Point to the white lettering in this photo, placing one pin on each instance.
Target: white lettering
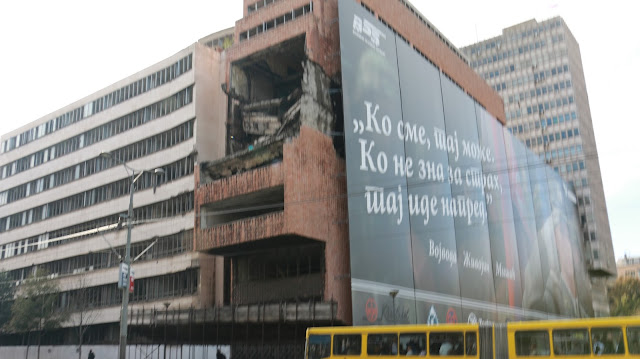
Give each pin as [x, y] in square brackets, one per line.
[440, 253]
[477, 264]
[378, 203]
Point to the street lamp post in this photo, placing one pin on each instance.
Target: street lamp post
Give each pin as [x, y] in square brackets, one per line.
[393, 294]
[127, 256]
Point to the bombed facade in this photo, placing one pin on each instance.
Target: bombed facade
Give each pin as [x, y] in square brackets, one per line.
[251, 223]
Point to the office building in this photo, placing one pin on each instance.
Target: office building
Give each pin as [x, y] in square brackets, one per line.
[628, 267]
[63, 205]
[537, 69]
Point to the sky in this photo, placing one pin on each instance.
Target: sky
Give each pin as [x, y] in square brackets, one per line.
[57, 52]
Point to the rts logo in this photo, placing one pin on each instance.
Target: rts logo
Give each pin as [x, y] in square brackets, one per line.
[368, 33]
[371, 310]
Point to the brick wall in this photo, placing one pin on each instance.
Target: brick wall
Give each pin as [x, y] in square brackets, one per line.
[316, 207]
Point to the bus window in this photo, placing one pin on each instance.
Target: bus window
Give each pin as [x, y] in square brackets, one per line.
[607, 341]
[382, 344]
[470, 344]
[413, 344]
[318, 346]
[446, 343]
[633, 339]
[532, 343]
[571, 342]
[347, 344]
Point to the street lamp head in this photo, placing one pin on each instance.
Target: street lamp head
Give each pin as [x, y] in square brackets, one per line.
[105, 154]
[393, 293]
[158, 171]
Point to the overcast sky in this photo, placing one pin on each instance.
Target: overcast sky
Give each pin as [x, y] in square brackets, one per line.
[56, 52]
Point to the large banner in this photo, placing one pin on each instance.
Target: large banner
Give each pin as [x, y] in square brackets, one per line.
[451, 219]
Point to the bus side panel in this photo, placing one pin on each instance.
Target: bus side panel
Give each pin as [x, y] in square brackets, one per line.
[502, 341]
[486, 342]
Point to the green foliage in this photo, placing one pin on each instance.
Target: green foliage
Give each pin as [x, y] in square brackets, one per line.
[228, 42]
[624, 297]
[35, 307]
[6, 299]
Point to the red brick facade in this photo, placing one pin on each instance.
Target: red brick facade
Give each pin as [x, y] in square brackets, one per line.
[312, 174]
[315, 206]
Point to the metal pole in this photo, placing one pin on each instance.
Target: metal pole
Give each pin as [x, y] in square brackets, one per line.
[393, 300]
[125, 290]
[393, 294]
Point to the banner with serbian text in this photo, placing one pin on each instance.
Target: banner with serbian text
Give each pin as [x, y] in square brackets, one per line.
[436, 234]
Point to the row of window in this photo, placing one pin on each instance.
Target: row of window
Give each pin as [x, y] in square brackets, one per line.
[548, 105]
[222, 42]
[566, 117]
[116, 97]
[166, 246]
[548, 138]
[86, 168]
[286, 265]
[175, 206]
[583, 182]
[539, 91]
[520, 50]
[100, 133]
[99, 195]
[574, 166]
[406, 344]
[259, 5]
[145, 289]
[536, 78]
[601, 341]
[544, 123]
[564, 152]
[506, 54]
[278, 21]
[535, 32]
[95, 196]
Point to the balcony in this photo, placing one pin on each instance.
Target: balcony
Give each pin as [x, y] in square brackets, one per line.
[241, 231]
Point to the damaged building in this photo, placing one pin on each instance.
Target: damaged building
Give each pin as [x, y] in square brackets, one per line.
[263, 223]
[274, 209]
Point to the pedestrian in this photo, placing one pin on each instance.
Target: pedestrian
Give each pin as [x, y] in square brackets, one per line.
[91, 355]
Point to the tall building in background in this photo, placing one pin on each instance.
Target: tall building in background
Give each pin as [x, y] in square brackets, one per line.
[537, 69]
[628, 267]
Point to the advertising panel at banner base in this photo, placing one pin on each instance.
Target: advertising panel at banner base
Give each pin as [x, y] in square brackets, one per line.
[446, 207]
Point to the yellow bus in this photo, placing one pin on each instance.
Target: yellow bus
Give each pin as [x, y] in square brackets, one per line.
[615, 337]
[392, 341]
[565, 339]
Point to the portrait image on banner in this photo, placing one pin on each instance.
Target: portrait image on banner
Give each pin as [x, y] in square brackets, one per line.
[500, 218]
